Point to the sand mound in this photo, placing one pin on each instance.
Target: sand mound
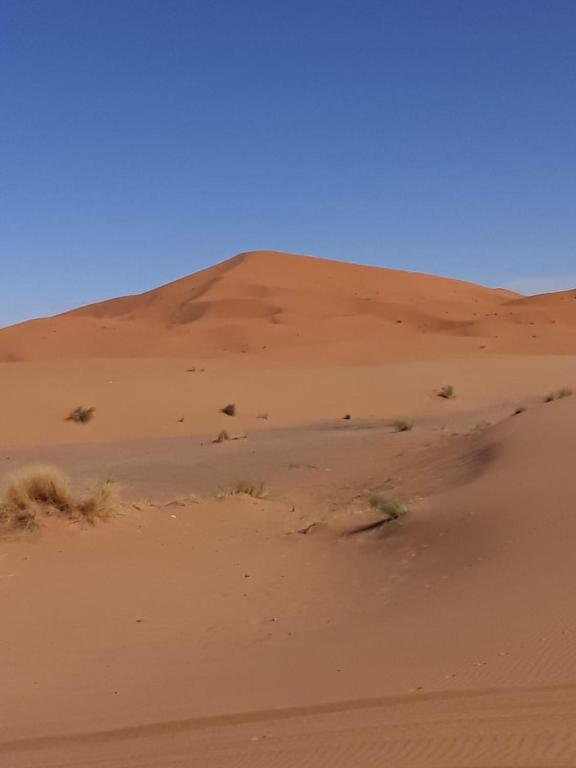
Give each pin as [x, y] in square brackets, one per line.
[272, 305]
[279, 306]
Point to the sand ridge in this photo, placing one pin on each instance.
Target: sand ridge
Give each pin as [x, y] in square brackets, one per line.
[275, 306]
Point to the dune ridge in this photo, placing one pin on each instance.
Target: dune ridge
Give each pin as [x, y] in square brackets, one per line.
[276, 306]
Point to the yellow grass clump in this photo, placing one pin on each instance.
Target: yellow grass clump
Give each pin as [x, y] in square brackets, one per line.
[37, 491]
[244, 488]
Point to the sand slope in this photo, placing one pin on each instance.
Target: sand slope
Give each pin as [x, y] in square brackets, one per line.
[276, 306]
[444, 640]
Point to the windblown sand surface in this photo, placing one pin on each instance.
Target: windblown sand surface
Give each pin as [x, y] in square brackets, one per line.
[198, 628]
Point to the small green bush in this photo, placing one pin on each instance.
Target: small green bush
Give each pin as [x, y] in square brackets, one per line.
[447, 392]
[387, 508]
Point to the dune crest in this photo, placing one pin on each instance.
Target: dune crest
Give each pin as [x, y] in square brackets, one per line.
[280, 306]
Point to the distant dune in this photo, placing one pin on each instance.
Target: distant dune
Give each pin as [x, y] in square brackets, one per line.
[279, 306]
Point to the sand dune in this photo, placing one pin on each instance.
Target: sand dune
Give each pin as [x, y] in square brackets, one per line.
[559, 299]
[469, 594]
[200, 628]
[278, 306]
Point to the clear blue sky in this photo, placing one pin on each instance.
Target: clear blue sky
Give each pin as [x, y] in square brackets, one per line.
[141, 140]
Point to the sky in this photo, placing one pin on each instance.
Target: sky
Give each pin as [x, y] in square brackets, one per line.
[142, 140]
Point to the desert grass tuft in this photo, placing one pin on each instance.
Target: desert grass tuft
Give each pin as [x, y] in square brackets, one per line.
[99, 505]
[43, 485]
[37, 491]
[15, 519]
[447, 392]
[222, 436]
[403, 425]
[388, 508]
[559, 394]
[81, 415]
[244, 488]
[229, 410]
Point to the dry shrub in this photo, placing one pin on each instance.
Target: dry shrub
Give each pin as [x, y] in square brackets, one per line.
[403, 425]
[99, 504]
[81, 415]
[388, 510]
[229, 410]
[244, 488]
[37, 491]
[559, 394]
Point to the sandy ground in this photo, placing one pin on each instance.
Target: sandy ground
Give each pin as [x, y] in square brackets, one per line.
[197, 628]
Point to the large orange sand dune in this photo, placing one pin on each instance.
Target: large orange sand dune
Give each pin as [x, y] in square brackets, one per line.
[277, 306]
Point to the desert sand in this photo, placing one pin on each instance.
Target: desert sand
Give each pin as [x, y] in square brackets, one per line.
[199, 627]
